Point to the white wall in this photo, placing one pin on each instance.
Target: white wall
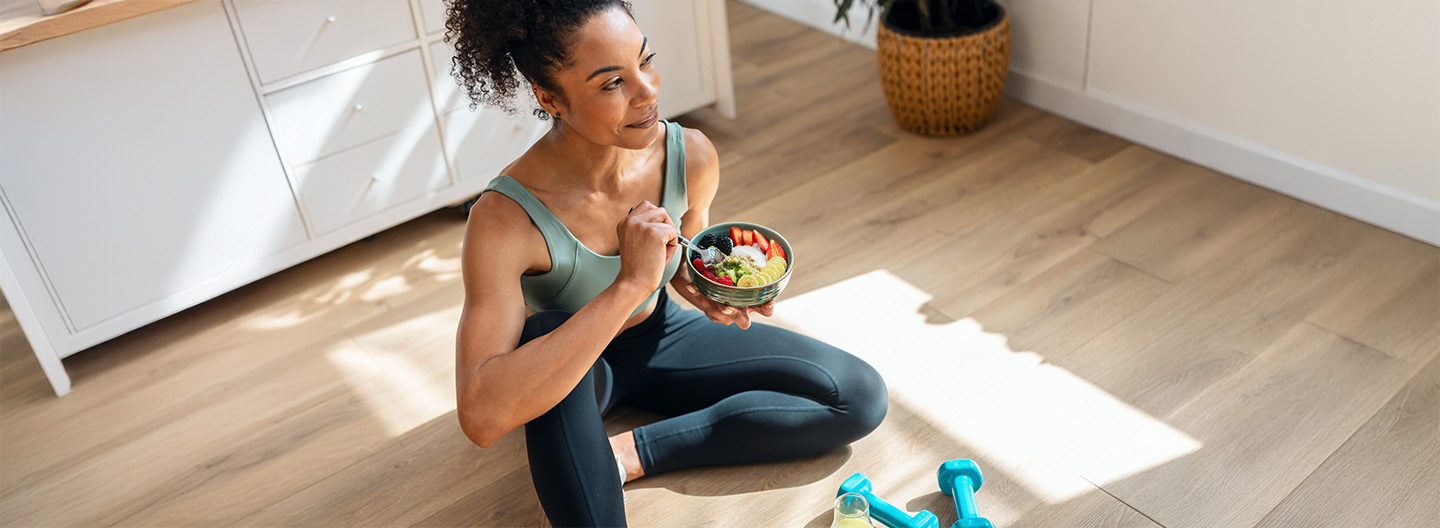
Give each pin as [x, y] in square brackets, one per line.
[1351, 85]
[1336, 102]
[1052, 41]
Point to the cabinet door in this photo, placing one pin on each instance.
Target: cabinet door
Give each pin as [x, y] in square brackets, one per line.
[139, 165]
[369, 179]
[483, 142]
[287, 37]
[675, 34]
[480, 142]
[434, 11]
[345, 109]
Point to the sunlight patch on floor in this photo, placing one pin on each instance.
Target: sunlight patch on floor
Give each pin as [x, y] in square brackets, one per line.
[436, 264]
[385, 288]
[338, 292]
[1039, 424]
[404, 375]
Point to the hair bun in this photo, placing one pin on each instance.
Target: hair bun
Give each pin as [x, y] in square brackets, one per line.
[501, 45]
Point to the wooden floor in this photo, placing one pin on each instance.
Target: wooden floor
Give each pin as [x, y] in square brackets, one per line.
[1117, 338]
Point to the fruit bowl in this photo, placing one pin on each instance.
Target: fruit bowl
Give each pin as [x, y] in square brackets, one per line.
[737, 296]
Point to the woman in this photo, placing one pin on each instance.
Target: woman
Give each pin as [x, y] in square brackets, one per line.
[564, 267]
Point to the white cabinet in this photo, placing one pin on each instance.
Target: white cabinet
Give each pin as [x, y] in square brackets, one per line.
[139, 176]
[344, 109]
[482, 142]
[366, 180]
[433, 13]
[286, 37]
[163, 160]
[449, 96]
[672, 27]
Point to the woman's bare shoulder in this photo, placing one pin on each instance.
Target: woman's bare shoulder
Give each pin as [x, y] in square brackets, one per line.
[500, 234]
[702, 168]
[699, 151]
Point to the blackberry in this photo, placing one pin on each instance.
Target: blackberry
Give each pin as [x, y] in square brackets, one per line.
[722, 242]
[706, 241]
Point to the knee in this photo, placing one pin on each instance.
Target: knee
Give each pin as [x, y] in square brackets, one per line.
[542, 323]
[865, 399]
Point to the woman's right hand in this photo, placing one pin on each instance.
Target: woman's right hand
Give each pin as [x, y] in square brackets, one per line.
[648, 239]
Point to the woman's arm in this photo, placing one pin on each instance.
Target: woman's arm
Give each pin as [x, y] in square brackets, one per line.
[500, 387]
[702, 180]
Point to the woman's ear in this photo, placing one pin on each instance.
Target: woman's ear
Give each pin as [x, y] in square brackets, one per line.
[548, 102]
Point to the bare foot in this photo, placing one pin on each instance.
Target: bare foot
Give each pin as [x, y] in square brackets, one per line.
[623, 444]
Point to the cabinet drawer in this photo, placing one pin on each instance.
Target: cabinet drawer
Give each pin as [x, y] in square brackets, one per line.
[449, 96]
[286, 37]
[338, 111]
[486, 140]
[434, 11]
[365, 180]
[158, 186]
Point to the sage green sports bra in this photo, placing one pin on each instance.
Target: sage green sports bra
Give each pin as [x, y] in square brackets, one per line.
[578, 274]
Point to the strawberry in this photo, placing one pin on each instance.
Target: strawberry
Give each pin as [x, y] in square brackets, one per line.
[749, 238]
[736, 237]
[775, 251]
[760, 241]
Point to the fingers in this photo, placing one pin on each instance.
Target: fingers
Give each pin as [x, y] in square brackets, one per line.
[714, 311]
[650, 212]
[643, 206]
[654, 219]
[723, 314]
[670, 251]
[717, 313]
[741, 318]
[719, 319]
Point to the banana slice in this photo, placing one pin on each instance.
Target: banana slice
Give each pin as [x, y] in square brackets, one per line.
[748, 281]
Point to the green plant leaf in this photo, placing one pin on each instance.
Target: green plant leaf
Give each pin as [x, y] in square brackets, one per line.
[842, 11]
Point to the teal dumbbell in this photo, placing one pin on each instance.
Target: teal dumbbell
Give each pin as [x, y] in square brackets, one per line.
[884, 511]
[960, 479]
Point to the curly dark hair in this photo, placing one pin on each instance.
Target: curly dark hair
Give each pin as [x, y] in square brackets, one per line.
[497, 41]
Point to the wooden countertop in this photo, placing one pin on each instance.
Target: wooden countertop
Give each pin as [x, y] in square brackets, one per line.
[22, 23]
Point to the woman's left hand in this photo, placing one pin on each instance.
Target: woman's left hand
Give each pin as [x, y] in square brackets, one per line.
[717, 312]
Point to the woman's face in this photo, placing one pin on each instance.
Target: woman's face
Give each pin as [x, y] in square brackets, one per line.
[611, 89]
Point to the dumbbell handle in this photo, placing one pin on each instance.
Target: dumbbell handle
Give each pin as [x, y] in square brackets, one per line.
[964, 497]
[885, 512]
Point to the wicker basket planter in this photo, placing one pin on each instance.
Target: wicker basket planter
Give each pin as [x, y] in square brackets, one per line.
[944, 85]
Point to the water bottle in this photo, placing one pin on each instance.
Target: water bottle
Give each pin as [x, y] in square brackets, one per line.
[852, 511]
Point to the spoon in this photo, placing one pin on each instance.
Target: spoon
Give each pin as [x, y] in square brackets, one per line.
[709, 256]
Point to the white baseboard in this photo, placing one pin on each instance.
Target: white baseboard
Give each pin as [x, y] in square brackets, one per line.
[1312, 182]
[1281, 172]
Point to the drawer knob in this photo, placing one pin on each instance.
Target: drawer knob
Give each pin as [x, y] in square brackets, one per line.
[358, 107]
[375, 178]
[330, 20]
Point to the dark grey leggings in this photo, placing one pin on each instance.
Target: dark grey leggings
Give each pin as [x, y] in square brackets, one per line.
[734, 396]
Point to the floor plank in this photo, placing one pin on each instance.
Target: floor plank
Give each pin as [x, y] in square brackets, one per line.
[1384, 475]
[1039, 295]
[1095, 509]
[1070, 304]
[1263, 430]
